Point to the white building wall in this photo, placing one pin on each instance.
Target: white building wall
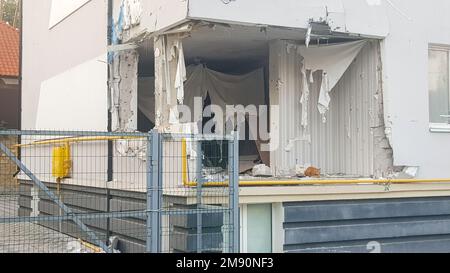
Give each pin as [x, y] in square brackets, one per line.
[156, 15]
[405, 66]
[348, 16]
[65, 71]
[64, 83]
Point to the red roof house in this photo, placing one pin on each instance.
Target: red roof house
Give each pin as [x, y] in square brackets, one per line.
[9, 50]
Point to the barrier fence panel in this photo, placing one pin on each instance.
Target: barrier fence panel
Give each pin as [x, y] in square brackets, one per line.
[199, 192]
[84, 192]
[72, 192]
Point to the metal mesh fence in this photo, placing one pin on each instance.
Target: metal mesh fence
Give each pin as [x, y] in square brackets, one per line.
[85, 192]
[198, 194]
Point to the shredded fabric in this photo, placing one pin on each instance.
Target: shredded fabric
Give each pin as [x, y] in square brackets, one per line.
[324, 97]
[304, 100]
[180, 77]
[132, 12]
[333, 61]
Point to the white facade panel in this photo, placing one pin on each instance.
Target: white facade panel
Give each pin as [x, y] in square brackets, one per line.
[61, 9]
[414, 25]
[73, 99]
[350, 16]
[157, 15]
[53, 55]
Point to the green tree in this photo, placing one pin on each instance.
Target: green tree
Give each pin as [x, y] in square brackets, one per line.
[10, 12]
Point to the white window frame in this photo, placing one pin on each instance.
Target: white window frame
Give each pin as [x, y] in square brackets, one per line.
[440, 127]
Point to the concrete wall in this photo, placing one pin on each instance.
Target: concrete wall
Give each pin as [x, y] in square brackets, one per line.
[390, 225]
[64, 68]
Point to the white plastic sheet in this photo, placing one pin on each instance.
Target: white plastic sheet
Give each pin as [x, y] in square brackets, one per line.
[180, 77]
[333, 61]
[305, 96]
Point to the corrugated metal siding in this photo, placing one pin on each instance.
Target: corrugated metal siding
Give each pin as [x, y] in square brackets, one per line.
[396, 225]
[343, 145]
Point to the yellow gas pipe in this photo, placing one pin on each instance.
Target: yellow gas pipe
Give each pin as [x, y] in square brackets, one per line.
[187, 183]
[73, 140]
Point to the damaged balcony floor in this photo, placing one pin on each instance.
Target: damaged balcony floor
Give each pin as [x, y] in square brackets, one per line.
[29, 237]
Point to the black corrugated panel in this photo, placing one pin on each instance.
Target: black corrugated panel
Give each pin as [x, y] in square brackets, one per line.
[387, 225]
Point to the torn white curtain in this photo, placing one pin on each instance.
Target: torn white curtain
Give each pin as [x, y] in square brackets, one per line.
[305, 96]
[333, 61]
[180, 77]
[223, 89]
[324, 96]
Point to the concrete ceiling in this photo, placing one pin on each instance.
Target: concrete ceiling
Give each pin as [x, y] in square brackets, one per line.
[214, 43]
[226, 43]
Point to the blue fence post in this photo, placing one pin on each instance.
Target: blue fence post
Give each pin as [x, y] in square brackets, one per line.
[233, 148]
[199, 167]
[153, 198]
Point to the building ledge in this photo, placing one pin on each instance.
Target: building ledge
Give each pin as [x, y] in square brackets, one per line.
[280, 194]
[249, 195]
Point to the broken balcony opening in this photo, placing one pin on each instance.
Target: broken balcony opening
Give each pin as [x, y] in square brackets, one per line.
[213, 77]
[324, 101]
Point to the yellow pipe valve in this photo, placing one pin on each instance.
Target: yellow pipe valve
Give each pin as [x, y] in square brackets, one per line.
[61, 162]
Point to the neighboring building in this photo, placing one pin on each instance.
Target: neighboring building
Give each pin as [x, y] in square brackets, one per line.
[356, 88]
[9, 77]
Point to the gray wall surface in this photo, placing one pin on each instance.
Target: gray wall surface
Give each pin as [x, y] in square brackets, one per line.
[390, 225]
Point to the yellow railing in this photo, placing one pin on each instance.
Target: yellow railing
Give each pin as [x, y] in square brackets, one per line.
[61, 162]
[73, 140]
[275, 182]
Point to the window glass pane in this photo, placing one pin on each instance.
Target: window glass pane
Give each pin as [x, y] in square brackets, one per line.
[259, 228]
[439, 85]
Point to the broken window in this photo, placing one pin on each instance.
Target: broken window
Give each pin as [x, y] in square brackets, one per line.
[439, 86]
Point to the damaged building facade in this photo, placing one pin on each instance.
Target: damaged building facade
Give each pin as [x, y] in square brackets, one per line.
[341, 89]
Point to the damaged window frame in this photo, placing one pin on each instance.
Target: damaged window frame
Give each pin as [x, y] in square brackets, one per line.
[440, 127]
